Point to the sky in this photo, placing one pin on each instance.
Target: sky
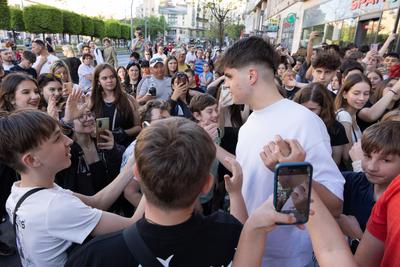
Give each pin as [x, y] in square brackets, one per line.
[117, 9]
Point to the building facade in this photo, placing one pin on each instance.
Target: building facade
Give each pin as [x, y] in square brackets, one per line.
[290, 22]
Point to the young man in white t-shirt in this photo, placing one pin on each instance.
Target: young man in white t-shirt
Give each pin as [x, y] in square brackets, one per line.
[44, 60]
[50, 220]
[249, 67]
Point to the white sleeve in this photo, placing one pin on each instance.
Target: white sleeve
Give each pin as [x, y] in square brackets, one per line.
[325, 170]
[344, 116]
[70, 219]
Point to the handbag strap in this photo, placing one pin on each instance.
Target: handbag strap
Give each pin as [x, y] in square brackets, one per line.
[138, 248]
[25, 196]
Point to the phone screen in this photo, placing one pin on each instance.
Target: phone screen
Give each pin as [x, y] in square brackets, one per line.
[102, 124]
[293, 189]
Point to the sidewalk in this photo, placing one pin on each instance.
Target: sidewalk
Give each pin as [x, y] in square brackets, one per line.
[7, 236]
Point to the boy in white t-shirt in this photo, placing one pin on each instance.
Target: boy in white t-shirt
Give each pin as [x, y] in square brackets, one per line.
[249, 66]
[49, 220]
[44, 60]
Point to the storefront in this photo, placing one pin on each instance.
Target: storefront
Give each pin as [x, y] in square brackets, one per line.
[289, 25]
[343, 21]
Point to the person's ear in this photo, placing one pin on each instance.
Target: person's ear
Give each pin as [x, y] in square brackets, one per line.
[208, 184]
[253, 76]
[29, 160]
[197, 116]
[136, 173]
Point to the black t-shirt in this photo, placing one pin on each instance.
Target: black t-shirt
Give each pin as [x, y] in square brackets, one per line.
[358, 197]
[200, 241]
[31, 71]
[290, 93]
[337, 133]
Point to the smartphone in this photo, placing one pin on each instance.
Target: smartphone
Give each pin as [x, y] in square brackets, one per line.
[102, 124]
[292, 189]
[374, 47]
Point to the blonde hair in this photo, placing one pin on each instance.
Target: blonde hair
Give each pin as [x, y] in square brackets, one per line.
[69, 51]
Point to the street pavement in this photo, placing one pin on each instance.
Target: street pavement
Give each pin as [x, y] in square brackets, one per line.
[123, 58]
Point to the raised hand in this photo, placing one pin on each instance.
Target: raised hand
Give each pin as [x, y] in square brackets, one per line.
[74, 106]
[233, 184]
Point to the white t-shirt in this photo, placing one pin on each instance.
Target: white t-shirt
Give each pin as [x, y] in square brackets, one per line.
[344, 116]
[49, 221]
[163, 87]
[156, 55]
[190, 57]
[286, 245]
[83, 70]
[46, 66]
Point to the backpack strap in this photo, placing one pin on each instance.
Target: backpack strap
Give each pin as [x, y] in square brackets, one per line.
[138, 248]
[25, 196]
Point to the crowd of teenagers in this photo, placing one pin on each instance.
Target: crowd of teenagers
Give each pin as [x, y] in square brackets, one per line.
[183, 173]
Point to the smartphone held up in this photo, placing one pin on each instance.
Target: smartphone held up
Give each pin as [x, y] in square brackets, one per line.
[292, 189]
[102, 124]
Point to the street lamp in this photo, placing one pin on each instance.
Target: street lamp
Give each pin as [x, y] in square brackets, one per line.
[131, 23]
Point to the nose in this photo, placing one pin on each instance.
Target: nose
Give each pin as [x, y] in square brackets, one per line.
[372, 166]
[68, 141]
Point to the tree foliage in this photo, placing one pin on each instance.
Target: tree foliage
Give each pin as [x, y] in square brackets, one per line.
[220, 13]
[99, 28]
[155, 25]
[234, 30]
[4, 15]
[125, 31]
[43, 19]
[17, 19]
[87, 26]
[113, 29]
[72, 22]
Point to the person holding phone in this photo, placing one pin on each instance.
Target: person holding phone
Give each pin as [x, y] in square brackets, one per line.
[51, 95]
[180, 98]
[94, 163]
[108, 100]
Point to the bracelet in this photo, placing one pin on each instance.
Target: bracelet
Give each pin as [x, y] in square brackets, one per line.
[393, 91]
[69, 125]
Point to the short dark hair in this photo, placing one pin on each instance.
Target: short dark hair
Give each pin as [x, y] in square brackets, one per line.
[173, 157]
[392, 54]
[382, 137]
[145, 111]
[349, 65]
[135, 55]
[326, 59]
[22, 131]
[85, 46]
[201, 102]
[87, 55]
[252, 50]
[39, 42]
[28, 55]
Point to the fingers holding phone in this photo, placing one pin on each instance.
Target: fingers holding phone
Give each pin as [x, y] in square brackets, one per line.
[102, 126]
[107, 140]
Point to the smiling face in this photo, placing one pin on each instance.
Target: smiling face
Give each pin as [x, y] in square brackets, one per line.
[358, 95]
[54, 154]
[172, 65]
[52, 89]
[380, 168]
[26, 95]
[85, 123]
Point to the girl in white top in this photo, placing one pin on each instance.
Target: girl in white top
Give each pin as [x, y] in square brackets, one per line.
[352, 97]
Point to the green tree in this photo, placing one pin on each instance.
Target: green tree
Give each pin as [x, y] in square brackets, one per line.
[43, 19]
[113, 29]
[220, 13]
[17, 19]
[87, 26]
[4, 15]
[234, 30]
[125, 31]
[72, 22]
[99, 28]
